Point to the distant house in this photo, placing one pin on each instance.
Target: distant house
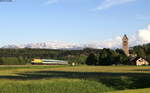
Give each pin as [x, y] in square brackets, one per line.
[138, 61]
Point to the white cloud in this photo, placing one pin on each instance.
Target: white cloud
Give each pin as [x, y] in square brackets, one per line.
[111, 43]
[104, 5]
[110, 3]
[139, 38]
[49, 2]
[144, 35]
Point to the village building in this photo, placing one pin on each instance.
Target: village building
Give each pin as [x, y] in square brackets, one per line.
[134, 59]
[138, 61]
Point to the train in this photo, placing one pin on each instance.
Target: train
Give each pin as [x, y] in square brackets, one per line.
[48, 62]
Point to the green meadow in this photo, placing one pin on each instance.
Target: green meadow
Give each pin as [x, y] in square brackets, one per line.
[78, 79]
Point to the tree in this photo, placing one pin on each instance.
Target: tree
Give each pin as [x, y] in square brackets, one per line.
[1, 61]
[91, 59]
[106, 57]
[140, 51]
[120, 51]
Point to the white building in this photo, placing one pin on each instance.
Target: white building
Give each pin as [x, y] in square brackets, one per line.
[139, 61]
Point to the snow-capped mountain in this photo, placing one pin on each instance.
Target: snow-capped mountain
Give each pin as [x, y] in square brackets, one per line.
[10, 46]
[52, 45]
[114, 43]
[48, 45]
[55, 45]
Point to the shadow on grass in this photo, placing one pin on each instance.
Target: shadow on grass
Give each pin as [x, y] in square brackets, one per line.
[115, 80]
[142, 70]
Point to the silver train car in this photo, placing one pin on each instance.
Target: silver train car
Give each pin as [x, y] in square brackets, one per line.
[48, 62]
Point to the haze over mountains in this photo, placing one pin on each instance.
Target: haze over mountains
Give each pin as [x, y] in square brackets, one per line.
[60, 45]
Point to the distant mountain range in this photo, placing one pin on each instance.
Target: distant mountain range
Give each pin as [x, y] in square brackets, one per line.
[60, 45]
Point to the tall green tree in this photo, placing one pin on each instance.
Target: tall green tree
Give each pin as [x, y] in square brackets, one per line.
[91, 59]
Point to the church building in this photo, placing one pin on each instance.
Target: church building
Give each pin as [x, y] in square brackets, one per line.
[125, 45]
[134, 60]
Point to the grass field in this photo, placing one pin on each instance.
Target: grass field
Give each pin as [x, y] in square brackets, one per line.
[79, 79]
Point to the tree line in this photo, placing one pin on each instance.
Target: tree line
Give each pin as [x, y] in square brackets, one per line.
[108, 57]
[87, 56]
[117, 57]
[13, 56]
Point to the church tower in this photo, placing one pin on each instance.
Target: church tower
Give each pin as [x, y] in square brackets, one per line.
[125, 45]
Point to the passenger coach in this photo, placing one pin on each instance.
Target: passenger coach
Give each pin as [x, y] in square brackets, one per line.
[48, 62]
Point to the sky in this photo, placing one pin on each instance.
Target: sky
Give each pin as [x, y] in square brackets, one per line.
[77, 21]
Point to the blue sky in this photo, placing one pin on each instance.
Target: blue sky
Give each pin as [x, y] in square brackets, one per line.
[79, 21]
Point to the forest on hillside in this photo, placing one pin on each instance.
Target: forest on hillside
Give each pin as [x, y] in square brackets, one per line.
[101, 56]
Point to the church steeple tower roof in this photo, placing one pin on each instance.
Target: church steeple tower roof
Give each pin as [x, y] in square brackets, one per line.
[125, 37]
